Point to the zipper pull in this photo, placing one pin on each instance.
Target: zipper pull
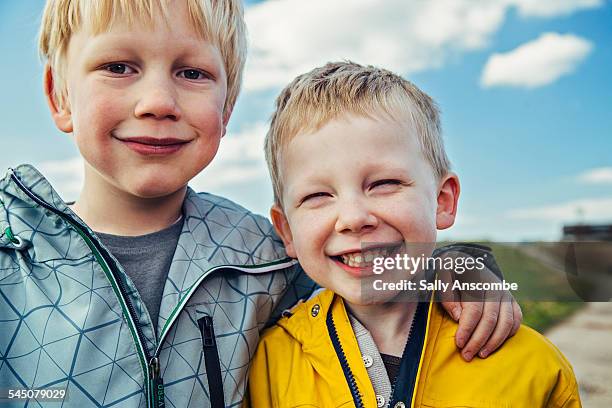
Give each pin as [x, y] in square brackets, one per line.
[208, 331]
[156, 388]
[212, 363]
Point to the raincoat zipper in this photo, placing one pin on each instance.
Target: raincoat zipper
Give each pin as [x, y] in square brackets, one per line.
[413, 353]
[348, 374]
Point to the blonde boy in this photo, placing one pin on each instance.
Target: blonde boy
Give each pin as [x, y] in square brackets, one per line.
[359, 168]
[142, 292]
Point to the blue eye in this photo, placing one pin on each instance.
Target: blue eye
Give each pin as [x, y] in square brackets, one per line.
[192, 74]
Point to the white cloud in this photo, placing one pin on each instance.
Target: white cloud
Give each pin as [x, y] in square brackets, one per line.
[587, 210]
[292, 36]
[553, 8]
[289, 37]
[536, 63]
[66, 176]
[240, 160]
[601, 175]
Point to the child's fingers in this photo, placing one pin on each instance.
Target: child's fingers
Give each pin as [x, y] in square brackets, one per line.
[484, 328]
[470, 316]
[450, 299]
[452, 308]
[502, 330]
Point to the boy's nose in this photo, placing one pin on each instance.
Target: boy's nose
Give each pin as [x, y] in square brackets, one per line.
[355, 217]
[158, 101]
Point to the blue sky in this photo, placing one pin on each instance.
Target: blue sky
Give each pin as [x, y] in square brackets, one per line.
[524, 87]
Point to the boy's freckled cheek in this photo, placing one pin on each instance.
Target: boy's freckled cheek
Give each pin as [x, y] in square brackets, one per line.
[106, 105]
[95, 121]
[311, 232]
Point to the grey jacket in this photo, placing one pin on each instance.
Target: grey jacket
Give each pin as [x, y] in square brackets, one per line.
[70, 318]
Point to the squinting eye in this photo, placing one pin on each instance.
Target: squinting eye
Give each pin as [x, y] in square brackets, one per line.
[391, 182]
[192, 74]
[314, 195]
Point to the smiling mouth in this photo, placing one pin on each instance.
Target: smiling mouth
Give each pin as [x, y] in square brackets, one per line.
[150, 146]
[151, 141]
[365, 257]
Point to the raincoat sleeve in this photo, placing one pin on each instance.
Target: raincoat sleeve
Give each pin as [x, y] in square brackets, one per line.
[565, 393]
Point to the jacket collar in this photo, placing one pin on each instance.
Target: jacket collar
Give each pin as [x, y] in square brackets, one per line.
[32, 211]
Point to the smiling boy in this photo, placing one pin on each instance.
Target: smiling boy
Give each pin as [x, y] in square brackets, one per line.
[359, 170]
[143, 291]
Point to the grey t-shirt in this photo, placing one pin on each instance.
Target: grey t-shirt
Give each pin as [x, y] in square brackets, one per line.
[146, 259]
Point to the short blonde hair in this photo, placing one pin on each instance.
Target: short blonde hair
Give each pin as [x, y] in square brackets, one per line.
[220, 22]
[313, 99]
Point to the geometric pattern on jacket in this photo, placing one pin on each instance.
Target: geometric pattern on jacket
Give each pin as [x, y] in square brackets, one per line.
[65, 322]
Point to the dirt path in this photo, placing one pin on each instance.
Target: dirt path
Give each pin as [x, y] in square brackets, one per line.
[586, 340]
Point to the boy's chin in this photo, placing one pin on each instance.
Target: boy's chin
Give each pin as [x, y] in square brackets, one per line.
[359, 297]
[146, 182]
[365, 296]
[153, 189]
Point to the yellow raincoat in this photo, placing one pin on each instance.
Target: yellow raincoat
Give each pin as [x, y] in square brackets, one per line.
[312, 359]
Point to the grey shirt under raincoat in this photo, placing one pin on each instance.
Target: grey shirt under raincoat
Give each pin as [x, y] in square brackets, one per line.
[71, 319]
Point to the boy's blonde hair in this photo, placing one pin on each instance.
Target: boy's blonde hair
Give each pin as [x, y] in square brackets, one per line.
[313, 99]
[220, 22]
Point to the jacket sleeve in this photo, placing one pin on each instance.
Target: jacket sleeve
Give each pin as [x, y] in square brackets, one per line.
[565, 393]
[573, 401]
[569, 399]
[300, 287]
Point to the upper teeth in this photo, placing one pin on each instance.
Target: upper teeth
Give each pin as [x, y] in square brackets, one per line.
[359, 258]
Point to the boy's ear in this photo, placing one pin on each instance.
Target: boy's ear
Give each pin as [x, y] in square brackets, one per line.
[281, 226]
[448, 195]
[61, 116]
[226, 118]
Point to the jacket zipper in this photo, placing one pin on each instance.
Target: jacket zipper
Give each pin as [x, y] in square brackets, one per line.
[407, 376]
[211, 360]
[156, 391]
[348, 374]
[147, 362]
